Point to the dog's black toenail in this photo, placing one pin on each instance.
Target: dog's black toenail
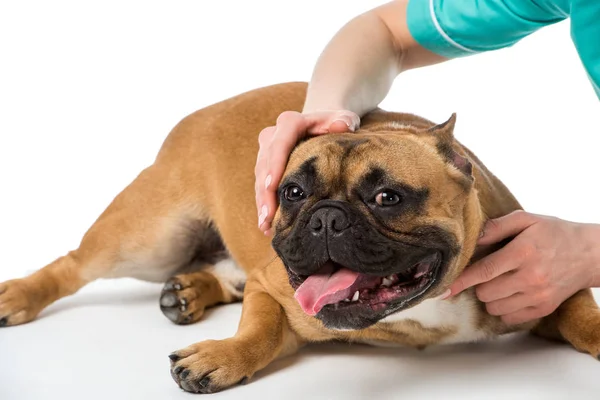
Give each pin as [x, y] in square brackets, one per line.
[174, 357]
[184, 374]
[204, 382]
[178, 369]
[187, 319]
[188, 386]
[243, 381]
[598, 357]
[3, 321]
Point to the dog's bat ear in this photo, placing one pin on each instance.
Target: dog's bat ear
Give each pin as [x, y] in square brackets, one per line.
[445, 144]
[445, 131]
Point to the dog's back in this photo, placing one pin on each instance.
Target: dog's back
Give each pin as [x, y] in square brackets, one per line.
[217, 146]
[190, 218]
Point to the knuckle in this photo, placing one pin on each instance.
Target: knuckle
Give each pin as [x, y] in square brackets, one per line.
[537, 277]
[265, 135]
[483, 293]
[259, 167]
[522, 216]
[518, 213]
[528, 250]
[493, 225]
[543, 299]
[287, 117]
[546, 309]
[494, 308]
[487, 269]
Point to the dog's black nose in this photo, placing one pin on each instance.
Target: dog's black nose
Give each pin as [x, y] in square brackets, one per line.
[329, 219]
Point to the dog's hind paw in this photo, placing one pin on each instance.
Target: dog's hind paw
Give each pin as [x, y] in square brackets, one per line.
[181, 301]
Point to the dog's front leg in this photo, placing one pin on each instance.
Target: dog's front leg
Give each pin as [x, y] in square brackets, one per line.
[263, 335]
[576, 321]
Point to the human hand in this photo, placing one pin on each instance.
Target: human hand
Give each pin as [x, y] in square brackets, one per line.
[548, 261]
[276, 144]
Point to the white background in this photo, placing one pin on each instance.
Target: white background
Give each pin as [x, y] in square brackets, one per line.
[88, 92]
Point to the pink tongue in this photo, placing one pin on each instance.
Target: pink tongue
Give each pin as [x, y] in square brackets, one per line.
[325, 287]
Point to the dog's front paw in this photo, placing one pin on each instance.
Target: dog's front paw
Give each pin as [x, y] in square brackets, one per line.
[211, 366]
[17, 303]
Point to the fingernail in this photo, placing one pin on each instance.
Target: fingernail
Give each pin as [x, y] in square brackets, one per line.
[341, 120]
[348, 124]
[446, 294]
[268, 181]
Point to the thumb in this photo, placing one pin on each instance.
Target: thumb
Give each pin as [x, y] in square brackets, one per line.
[332, 122]
[344, 122]
[510, 225]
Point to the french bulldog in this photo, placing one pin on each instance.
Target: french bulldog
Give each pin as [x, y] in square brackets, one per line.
[372, 227]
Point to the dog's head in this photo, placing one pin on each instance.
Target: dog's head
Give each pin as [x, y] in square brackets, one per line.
[374, 222]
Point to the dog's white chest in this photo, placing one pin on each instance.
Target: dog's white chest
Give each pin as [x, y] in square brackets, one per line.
[459, 314]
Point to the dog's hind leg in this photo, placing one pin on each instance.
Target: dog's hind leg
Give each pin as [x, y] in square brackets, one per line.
[576, 321]
[185, 296]
[150, 231]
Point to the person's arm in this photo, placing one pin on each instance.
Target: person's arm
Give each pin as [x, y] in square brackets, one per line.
[356, 70]
[352, 76]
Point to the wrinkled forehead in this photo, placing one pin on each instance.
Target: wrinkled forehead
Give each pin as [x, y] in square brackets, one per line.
[350, 159]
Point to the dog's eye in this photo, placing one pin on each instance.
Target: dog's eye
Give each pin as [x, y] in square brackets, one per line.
[293, 193]
[387, 198]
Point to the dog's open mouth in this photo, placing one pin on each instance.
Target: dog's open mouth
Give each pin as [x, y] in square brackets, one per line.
[341, 287]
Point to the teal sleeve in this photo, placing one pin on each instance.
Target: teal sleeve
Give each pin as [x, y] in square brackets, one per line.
[585, 32]
[456, 28]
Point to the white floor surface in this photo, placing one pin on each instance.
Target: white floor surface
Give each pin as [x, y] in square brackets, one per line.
[110, 341]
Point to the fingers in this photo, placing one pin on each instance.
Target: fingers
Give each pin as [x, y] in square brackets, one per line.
[519, 308]
[276, 144]
[488, 268]
[509, 305]
[527, 314]
[503, 260]
[500, 288]
[291, 126]
[260, 172]
[507, 226]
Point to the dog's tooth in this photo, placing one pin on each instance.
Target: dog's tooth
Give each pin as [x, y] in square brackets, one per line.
[386, 282]
[355, 297]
